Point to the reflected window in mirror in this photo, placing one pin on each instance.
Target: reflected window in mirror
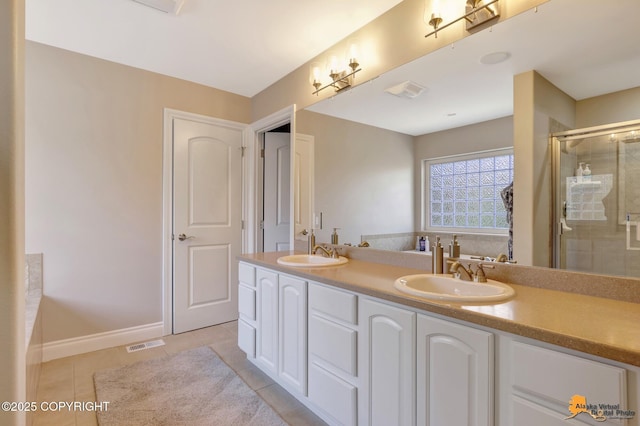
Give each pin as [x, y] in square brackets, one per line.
[463, 193]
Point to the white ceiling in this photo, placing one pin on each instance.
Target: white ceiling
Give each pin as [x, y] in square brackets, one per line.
[241, 46]
[585, 47]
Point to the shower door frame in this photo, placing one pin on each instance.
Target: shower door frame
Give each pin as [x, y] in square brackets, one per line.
[557, 203]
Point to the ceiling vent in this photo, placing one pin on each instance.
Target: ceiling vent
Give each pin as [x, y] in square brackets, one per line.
[408, 89]
[168, 6]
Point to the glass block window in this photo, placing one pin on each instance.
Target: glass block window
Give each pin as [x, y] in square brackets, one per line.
[465, 191]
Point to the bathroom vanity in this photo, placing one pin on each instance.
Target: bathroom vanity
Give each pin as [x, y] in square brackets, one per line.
[357, 351]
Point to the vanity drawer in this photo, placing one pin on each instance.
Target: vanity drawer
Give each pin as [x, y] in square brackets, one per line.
[247, 274]
[335, 304]
[558, 376]
[333, 395]
[247, 302]
[333, 343]
[247, 338]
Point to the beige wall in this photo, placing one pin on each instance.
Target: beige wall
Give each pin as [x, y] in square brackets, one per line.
[537, 106]
[94, 185]
[363, 177]
[12, 291]
[610, 108]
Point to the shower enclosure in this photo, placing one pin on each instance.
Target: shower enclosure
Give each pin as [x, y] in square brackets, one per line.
[596, 175]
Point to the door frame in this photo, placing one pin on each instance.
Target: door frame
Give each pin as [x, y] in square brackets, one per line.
[252, 157]
[167, 201]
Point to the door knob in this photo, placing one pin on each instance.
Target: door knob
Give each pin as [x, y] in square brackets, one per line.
[183, 237]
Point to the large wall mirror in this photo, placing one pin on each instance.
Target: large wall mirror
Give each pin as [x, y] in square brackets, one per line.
[370, 144]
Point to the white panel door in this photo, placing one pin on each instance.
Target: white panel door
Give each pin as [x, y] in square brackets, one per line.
[207, 194]
[277, 191]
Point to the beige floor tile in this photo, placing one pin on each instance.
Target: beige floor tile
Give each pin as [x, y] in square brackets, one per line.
[232, 355]
[279, 399]
[86, 418]
[303, 417]
[89, 363]
[55, 418]
[254, 377]
[56, 381]
[71, 379]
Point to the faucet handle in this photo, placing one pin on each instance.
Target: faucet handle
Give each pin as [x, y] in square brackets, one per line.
[480, 276]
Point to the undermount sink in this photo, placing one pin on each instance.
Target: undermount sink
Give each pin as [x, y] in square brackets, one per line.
[311, 260]
[446, 287]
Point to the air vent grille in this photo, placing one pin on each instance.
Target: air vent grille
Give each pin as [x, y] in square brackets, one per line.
[146, 345]
[407, 89]
[169, 6]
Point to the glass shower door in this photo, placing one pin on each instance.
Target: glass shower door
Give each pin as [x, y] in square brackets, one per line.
[597, 199]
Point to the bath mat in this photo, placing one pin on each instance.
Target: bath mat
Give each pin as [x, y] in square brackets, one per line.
[193, 387]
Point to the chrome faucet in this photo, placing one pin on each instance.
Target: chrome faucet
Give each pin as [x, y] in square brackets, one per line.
[328, 252]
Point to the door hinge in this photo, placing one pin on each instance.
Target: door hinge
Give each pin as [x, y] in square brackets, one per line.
[262, 153]
[242, 149]
[242, 224]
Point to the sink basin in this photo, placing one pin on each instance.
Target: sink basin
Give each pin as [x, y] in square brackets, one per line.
[445, 287]
[311, 260]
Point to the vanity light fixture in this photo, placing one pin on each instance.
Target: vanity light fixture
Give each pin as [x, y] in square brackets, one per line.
[477, 12]
[341, 75]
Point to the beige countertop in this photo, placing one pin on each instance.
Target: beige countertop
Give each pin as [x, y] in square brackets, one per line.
[599, 326]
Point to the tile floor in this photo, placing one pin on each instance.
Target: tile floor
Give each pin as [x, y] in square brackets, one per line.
[71, 378]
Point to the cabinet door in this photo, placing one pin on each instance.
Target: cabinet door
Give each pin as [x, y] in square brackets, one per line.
[455, 374]
[387, 360]
[545, 388]
[292, 340]
[267, 312]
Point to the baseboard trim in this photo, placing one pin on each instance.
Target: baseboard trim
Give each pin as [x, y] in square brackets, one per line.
[94, 342]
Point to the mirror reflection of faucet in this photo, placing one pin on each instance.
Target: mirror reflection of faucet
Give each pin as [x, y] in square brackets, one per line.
[329, 252]
[334, 236]
[311, 242]
[501, 258]
[458, 270]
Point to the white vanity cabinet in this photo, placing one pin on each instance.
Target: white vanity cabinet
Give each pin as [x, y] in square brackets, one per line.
[280, 326]
[455, 374]
[357, 360]
[386, 362]
[333, 364]
[543, 381]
